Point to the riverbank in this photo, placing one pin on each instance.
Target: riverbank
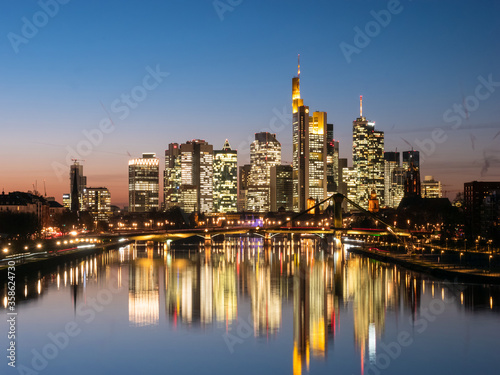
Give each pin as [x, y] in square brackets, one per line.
[446, 271]
[50, 260]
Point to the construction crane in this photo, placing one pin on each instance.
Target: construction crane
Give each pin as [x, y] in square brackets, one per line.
[77, 160]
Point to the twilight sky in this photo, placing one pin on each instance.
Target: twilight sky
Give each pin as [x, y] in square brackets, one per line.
[175, 70]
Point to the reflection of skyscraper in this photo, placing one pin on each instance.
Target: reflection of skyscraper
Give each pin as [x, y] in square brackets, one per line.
[144, 298]
[265, 152]
[266, 300]
[301, 318]
[225, 179]
[143, 183]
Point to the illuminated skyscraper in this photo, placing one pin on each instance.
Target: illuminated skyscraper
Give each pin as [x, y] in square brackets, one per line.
[243, 182]
[77, 182]
[225, 179]
[350, 179]
[367, 159]
[172, 176]
[309, 151]
[143, 183]
[265, 152]
[431, 188]
[98, 202]
[281, 187]
[411, 165]
[332, 162]
[197, 176]
[393, 179]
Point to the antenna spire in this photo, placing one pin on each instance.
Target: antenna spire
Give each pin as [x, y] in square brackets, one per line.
[361, 106]
[299, 67]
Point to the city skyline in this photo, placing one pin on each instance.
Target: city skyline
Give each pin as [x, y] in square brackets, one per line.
[51, 97]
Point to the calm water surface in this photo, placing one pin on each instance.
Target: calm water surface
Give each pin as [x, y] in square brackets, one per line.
[240, 309]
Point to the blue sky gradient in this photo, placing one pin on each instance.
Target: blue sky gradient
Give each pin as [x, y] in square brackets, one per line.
[229, 75]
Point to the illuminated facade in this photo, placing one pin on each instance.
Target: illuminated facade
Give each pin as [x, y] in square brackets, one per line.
[225, 179]
[317, 156]
[393, 179]
[367, 159]
[281, 188]
[77, 182]
[143, 183]
[144, 296]
[332, 162]
[97, 201]
[243, 182]
[197, 176]
[309, 151]
[411, 165]
[350, 178]
[431, 188]
[265, 152]
[172, 176]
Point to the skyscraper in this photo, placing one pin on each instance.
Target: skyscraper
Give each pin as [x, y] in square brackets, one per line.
[332, 162]
[97, 201]
[77, 182]
[411, 165]
[317, 156]
[197, 176]
[281, 187]
[172, 176]
[393, 179]
[367, 158]
[243, 182]
[143, 183]
[431, 188]
[225, 179]
[309, 150]
[265, 152]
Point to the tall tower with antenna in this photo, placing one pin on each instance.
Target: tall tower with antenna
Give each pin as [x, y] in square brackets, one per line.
[309, 150]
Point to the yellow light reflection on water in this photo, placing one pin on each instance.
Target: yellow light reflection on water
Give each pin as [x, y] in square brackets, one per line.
[432, 289]
[58, 281]
[65, 277]
[5, 301]
[491, 302]
[25, 290]
[462, 298]
[442, 294]
[39, 287]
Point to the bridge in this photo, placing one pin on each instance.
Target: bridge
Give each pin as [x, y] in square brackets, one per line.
[269, 231]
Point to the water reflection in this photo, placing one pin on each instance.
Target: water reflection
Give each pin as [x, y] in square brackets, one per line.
[327, 289]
